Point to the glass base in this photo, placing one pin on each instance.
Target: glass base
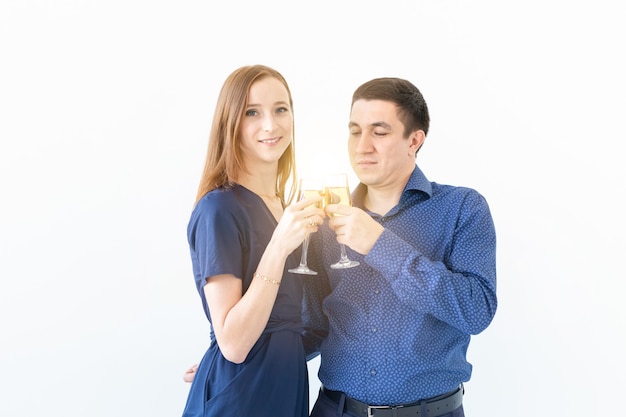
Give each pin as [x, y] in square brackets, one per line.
[345, 264]
[303, 269]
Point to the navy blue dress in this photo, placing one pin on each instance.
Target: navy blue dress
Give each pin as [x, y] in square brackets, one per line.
[227, 233]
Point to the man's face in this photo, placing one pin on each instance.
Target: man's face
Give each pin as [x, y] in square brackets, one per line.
[380, 155]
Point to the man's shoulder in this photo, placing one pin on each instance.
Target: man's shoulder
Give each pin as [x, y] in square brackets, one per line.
[453, 189]
[461, 195]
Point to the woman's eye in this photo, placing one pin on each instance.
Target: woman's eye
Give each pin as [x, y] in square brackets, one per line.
[251, 112]
[282, 110]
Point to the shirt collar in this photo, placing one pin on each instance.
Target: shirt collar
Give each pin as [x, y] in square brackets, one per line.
[417, 182]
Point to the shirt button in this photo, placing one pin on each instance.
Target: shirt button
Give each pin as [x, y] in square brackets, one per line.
[374, 329]
[373, 372]
[376, 291]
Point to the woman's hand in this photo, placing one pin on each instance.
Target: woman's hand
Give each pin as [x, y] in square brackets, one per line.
[190, 373]
[298, 220]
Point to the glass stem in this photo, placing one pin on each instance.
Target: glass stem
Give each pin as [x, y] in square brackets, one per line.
[344, 256]
[305, 249]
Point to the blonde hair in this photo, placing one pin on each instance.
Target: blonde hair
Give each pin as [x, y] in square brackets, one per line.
[224, 160]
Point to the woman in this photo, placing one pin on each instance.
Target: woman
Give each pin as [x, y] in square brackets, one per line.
[241, 237]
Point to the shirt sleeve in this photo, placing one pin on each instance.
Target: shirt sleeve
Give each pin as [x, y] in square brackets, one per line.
[460, 288]
[216, 241]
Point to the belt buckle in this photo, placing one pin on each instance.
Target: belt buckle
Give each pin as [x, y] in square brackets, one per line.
[370, 408]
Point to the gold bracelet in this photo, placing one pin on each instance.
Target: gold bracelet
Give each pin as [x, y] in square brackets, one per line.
[266, 278]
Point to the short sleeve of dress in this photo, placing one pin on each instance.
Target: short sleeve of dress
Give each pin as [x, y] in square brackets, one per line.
[215, 236]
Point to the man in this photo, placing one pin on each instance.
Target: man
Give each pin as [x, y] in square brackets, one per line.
[399, 325]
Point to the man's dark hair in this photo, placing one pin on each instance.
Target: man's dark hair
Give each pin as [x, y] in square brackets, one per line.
[412, 108]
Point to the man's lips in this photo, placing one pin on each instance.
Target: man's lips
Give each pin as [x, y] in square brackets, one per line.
[365, 162]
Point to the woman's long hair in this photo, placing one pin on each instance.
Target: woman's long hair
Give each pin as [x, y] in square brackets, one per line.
[224, 160]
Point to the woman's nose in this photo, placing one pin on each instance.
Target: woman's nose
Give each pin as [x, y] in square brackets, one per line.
[269, 123]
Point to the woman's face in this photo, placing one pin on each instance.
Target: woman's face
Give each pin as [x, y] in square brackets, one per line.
[267, 123]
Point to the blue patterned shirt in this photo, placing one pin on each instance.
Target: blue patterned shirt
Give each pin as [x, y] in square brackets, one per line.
[399, 324]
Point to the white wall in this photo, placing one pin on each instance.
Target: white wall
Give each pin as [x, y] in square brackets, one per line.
[105, 109]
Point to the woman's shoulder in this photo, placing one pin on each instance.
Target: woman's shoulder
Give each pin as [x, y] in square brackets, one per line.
[221, 203]
[216, 201]
[219, 195]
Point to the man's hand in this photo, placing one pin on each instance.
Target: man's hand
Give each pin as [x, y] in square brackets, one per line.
[354, 227]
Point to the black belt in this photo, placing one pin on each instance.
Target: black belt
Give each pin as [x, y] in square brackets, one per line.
[435, 406]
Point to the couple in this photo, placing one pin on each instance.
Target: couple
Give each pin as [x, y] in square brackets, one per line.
[395, 330]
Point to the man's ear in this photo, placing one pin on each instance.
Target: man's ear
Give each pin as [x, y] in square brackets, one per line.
[416, 140]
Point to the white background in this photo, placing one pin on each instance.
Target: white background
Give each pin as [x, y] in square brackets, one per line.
[105, 109]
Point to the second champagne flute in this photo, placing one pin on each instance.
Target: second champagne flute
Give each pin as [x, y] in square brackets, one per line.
[336, 190]
[308, 187]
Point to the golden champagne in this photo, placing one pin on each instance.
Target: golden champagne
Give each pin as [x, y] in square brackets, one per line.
[337, 195]
[312, 194]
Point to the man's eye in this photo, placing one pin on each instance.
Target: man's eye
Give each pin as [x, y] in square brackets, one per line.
[355, 132]
[380, 133]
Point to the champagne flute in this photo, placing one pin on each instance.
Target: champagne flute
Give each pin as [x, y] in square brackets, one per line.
[308, 187]
[336, 190]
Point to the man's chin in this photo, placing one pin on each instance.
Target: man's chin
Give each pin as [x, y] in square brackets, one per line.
[365, 176]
